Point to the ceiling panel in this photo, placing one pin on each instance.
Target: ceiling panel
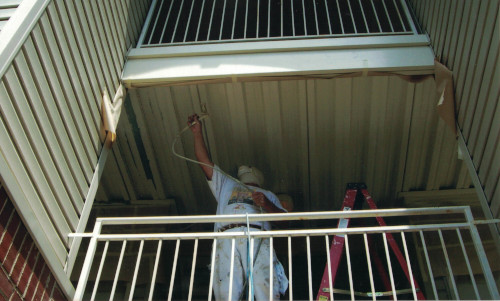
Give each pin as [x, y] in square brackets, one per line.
[309, 137]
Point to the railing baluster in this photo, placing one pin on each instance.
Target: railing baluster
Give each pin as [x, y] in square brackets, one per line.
[234, 19]
[389, 266]
[328, 17]
[316, 17]
[290, 278]
[212, 267]
[271, 249]
[364, 17]
[211, 19]
[370, 273]
[399, 15]
[282, 20]
[329, 262]
[349, 268]
[408, 262]
[293, 17]
[188, 22]
[137, 264]
[231, 269]
[174, 269]
[118, 268]
[177, 22]
[222, 20]
[246, 20]
[408, 17]
[87, 264]
[387, 15]
[309, 273]
[193, 266]
[431, 275]
[268, 18]
[450, 271]
[156, 21]
[199, 21]
[155, 270]
[471, 274]
[352, 17]
[258, 18]
[376, 16]
[340, 17]
[101, 265]
[304, 17]
[166, 21]
[250, 283]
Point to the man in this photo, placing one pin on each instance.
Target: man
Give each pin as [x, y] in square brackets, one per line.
[234, 198]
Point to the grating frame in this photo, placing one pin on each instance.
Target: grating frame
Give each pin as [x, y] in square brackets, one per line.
[180, 22]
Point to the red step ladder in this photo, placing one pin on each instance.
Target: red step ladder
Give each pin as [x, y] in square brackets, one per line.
[355, 194]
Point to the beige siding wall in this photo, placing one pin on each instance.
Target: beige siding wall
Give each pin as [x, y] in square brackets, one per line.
[7, 9]
[465, 36]
[50, 110]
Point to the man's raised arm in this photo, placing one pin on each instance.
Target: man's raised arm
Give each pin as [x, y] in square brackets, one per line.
[200, 149]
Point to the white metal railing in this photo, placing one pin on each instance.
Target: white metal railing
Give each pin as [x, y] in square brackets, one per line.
[410, 235]
[176, 22]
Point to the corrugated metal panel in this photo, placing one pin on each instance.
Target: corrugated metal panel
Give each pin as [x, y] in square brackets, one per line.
[466, 38]
[310, 138]
[50, 115]
[7, 9]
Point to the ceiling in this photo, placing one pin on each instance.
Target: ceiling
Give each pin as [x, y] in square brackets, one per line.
[309, 137]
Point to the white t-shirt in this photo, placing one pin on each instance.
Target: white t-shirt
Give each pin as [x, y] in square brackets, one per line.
[233, 198]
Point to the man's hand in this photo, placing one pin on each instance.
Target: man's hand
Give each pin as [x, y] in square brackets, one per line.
[194, 123]
[260, 199]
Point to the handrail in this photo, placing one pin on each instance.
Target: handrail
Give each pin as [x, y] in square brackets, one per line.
[280, 216]
[424, 265]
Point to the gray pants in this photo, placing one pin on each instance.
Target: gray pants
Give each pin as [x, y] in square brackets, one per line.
[240, 270]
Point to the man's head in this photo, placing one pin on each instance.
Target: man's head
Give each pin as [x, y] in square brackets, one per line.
[250, 175]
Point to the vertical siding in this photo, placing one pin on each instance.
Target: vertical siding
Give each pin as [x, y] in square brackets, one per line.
[50, 108]
[309, 137]
[466, 39]
[7, 9]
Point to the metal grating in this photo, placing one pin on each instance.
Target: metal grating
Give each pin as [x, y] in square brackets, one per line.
[201, 21]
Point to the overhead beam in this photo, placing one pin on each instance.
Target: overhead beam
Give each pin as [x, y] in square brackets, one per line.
[289, 45]
[230, 67]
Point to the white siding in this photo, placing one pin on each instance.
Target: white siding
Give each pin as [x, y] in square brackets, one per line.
[7, 9]
[50, 116]
[465, 36]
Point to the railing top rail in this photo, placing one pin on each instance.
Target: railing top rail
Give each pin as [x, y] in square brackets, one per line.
[280, 233]
[280, 216]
